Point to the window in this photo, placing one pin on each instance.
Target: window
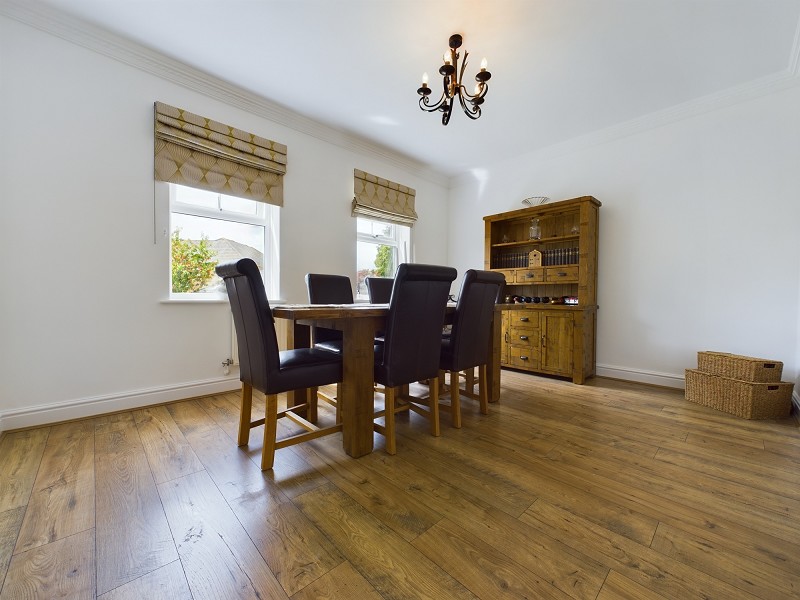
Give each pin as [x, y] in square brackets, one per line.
[207, 228]
[380, 247]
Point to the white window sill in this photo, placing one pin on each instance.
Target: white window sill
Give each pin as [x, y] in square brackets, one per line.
[209, 300]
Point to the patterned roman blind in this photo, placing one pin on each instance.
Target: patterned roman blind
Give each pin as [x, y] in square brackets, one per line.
[378, 198]
[202, 153]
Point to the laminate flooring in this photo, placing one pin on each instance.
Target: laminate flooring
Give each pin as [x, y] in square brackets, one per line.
[607, 490]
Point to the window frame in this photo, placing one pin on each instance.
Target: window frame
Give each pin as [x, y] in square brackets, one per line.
[267, 217]
[401, 241]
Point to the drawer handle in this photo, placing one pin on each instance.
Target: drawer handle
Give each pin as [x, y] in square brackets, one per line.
[524, 319]
[529, 275]
[561, 274]
[523, 358]
[506, 336]
[523, 337]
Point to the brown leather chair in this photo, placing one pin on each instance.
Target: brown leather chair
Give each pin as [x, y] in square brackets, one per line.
[412, 344]
[265, 368]
[379, 289]
[467, 345]
[328, 289]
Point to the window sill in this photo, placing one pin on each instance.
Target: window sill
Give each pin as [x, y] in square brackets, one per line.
[209, 300]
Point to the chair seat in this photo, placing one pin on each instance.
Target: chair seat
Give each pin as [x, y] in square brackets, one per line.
[305, 368]
[330, 345]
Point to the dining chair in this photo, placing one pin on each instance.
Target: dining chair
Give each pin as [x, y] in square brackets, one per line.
[379, 289]
[412, 344]
[328, 289]
[467, 345]
[263, 367]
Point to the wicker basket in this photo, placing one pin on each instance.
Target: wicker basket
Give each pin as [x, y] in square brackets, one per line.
[744, 368]
[741, 398]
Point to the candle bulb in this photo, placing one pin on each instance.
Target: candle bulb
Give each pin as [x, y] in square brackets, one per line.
[484, 64]
[424, 80]
[446, 57]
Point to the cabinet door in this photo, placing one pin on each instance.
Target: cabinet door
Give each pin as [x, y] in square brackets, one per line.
[504, 342]
[556, 356]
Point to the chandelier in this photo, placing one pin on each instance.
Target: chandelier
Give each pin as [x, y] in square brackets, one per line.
[453, 82]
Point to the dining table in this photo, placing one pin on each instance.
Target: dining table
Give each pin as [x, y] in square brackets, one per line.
[358, 324]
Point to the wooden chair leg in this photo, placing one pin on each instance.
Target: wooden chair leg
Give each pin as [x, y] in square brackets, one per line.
[338, 403]
[483, 392]
[389, 395]
[455, 399]
[245, 414]
[311, 412]
[434, 406]
[470, 380]
[270, 432]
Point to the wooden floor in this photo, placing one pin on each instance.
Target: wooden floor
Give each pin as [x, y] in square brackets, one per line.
[608, 490]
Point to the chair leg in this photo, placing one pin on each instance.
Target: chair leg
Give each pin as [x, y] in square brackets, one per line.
[311, 412]
[338, 403]
[389, 395]
[245, 414]
[270, 432]
[455, 399]
[434, 406]
[482, 391]
[470, 380]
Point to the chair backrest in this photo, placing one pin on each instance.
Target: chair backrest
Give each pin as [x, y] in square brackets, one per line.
[328, 289]
[413, 337]
[253, 321]
[379, 289]
[469, 340]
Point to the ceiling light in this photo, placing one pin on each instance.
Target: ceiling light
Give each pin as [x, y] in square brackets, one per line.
[452, 81]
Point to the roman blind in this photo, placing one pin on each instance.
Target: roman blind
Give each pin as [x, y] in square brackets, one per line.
[378, 198]
[203, 153]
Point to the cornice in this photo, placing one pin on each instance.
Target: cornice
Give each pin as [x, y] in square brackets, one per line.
[103, 42]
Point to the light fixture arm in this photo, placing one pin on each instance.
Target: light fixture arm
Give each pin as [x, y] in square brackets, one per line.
[452, 85]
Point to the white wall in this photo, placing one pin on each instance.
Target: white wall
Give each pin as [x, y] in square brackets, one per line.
[84, 327]
[698, 234]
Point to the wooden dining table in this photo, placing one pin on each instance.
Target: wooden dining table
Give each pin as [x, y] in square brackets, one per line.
[358, 324]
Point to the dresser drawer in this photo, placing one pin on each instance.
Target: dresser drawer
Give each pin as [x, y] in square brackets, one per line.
[523, 336]
[562, 274]
[526, 319]
[507, 273]
[523, 357]
[532, 275]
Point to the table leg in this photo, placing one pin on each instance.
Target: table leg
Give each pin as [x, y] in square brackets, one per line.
[357, 398]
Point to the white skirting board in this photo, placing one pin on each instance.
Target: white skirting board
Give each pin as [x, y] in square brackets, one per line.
[651, 377]
[44, 414]
[88, 407]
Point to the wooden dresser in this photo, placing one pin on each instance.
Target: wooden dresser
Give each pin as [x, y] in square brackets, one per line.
[548, 253]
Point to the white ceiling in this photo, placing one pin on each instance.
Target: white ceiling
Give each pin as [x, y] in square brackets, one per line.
[560, 68]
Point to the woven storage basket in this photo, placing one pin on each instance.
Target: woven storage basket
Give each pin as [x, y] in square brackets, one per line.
[745, 368]
[741, 398]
